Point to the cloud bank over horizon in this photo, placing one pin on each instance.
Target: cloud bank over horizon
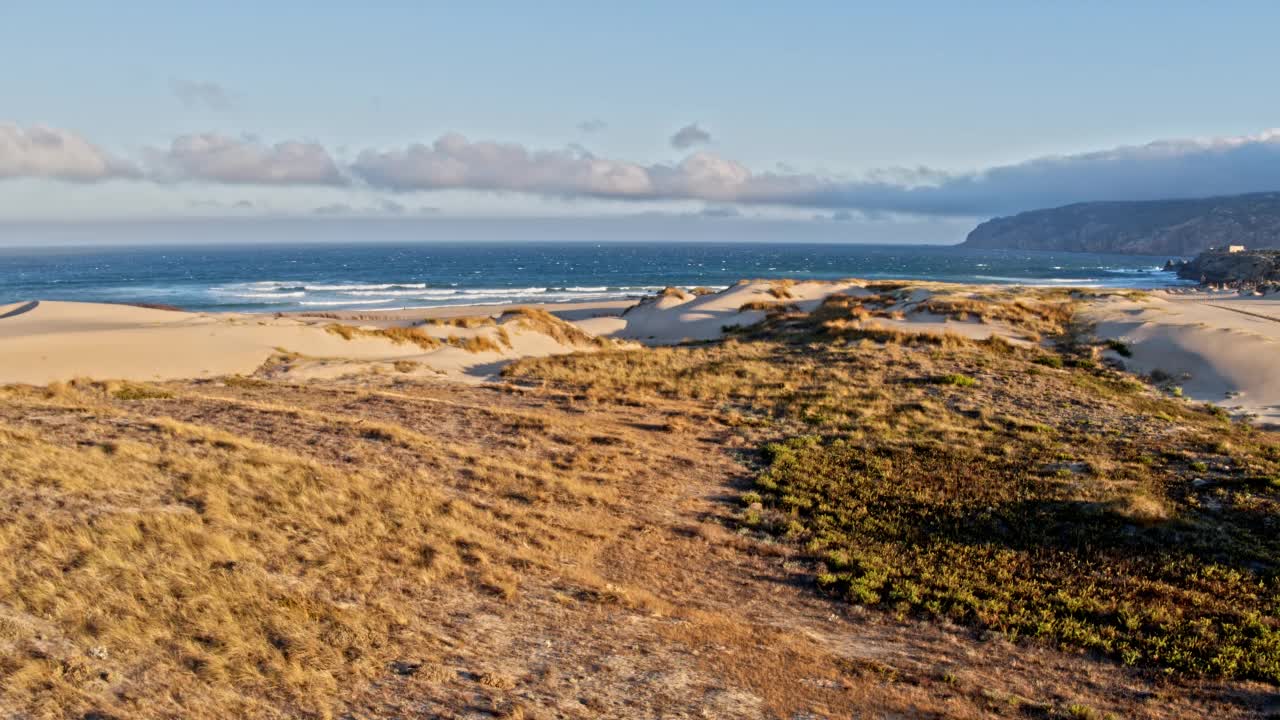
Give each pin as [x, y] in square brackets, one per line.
[1157, 170]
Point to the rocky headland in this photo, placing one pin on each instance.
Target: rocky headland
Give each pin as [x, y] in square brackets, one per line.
[1160, 227]
[1244, 269]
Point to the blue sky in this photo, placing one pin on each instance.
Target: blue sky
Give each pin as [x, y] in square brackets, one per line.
[884, 122]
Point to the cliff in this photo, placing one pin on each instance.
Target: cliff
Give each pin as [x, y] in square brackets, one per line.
[1158, 227]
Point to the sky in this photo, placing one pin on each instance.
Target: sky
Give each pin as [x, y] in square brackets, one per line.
[875, 122]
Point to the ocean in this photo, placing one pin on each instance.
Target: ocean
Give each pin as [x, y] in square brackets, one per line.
[330, 277]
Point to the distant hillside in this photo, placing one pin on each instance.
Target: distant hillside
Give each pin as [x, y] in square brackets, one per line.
[1159, 227]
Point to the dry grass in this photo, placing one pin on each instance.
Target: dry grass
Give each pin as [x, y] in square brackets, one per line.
[475, 343]
[563, 546]
[397, 335]
[183, 579]
[159, 567]
[1045, 313]
[553, 327]
[470, 323]
[781, 289]
[480, 343]
[764, 306]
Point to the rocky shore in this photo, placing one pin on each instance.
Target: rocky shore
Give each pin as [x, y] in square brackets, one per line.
[1244, 269]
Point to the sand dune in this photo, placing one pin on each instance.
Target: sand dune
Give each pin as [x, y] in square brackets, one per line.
[676, 315]
[61, 340]
[43, 342]
[1218, 348]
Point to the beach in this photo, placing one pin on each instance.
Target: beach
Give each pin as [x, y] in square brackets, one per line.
[1213, 347]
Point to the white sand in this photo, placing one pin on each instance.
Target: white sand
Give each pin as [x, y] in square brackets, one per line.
[49, 341]
[63, 340]
[43, 342]
[676, 317]
[1219, 348]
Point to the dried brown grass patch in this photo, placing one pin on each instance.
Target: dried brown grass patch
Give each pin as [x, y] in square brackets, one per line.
[397, 335]
[544, 322]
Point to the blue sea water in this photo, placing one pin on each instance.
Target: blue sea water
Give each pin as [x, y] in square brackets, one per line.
[330, 277]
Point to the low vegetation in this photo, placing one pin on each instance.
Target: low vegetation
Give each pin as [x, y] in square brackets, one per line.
[469, 322]
[497, 339]
[620, 533]
[215, 556]
[957, 379]
[1046, 316]
[397, 335]
[781, 289]
[553, 327]
[1069, 507]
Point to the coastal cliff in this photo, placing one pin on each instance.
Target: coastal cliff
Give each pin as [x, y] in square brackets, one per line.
[1160, 227]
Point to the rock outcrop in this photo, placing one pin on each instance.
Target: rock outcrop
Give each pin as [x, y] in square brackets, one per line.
[1258, 269]
[1159, 227]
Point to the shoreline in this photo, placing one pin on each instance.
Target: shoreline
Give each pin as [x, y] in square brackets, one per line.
[614, 305]
[580, 310]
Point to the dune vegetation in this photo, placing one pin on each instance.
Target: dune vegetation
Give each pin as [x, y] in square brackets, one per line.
[963, 481]
[823, 511]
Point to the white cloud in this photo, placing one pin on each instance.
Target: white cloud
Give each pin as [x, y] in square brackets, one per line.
[688, 136]
[1158, 170]
[217, 158]
[201, 94]
[40, 151]
[452, 161]
[1164, 169]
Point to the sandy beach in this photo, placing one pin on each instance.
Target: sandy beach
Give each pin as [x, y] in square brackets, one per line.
[1222, 348]
[1213, 347]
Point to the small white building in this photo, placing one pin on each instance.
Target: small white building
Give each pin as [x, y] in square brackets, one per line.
[1235, 248]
